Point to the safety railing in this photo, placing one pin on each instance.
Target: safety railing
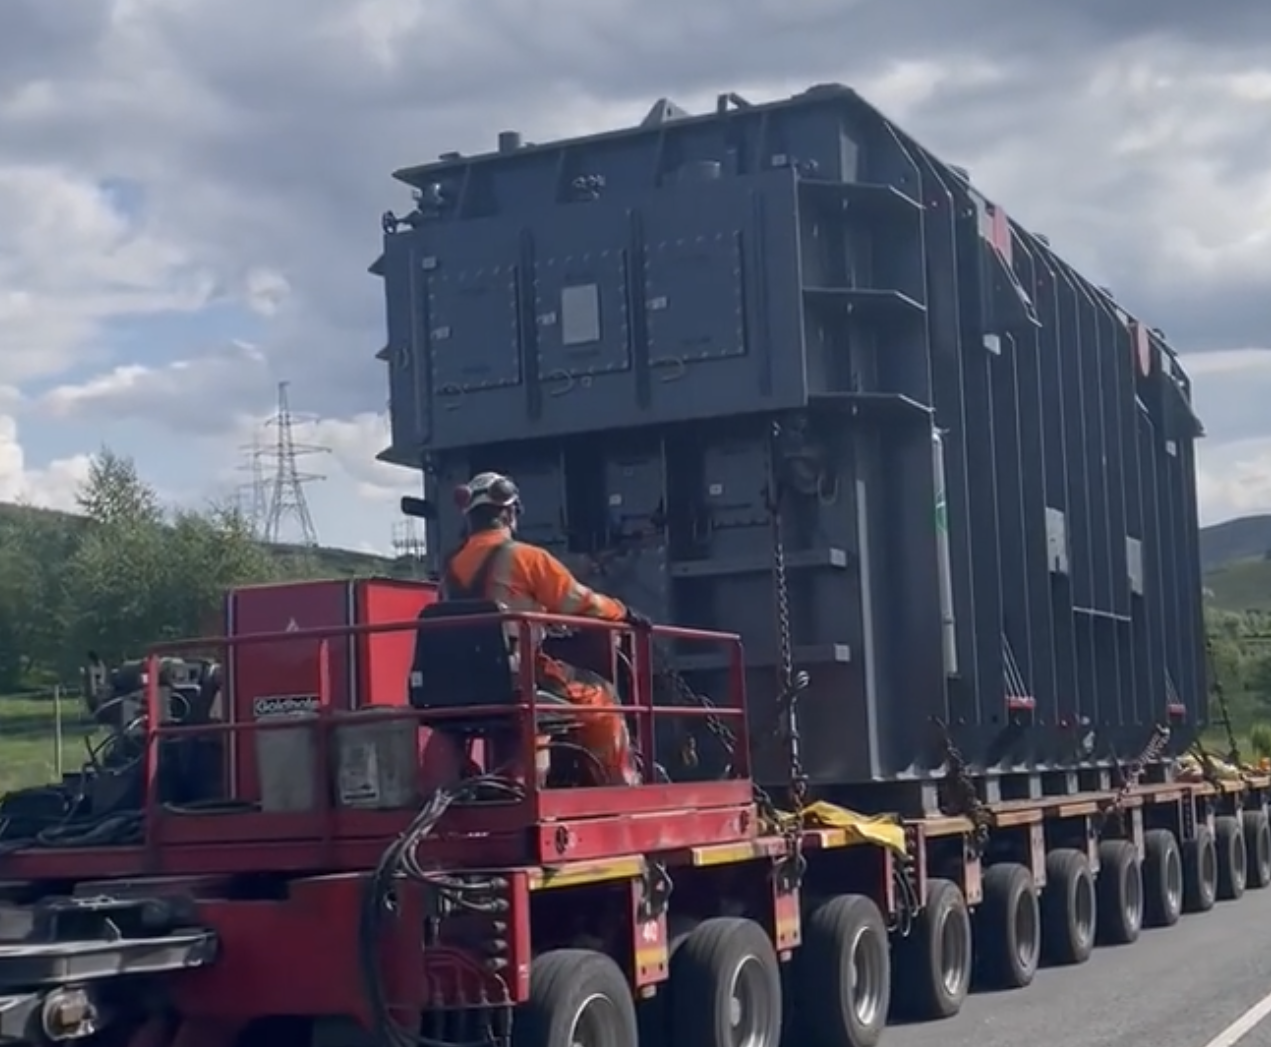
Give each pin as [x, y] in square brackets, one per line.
[534, 800]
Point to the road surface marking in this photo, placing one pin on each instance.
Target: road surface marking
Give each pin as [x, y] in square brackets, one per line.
[1237, 1030]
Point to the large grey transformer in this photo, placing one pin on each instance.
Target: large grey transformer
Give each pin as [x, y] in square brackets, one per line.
[985, 463]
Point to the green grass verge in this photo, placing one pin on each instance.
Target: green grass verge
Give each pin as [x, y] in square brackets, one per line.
[1242, 585]
[29, 738]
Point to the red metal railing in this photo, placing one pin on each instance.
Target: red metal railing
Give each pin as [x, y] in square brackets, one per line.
[538, 804]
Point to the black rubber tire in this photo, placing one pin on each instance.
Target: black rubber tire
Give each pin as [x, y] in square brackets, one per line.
[1200, 871]
[1120, 893]
[934, 961]
[1008, 928]
[1229, 842]
[841, 937]
[1069, 908]
[1257, 849]
[566, 984]
[705, 968]
[1163, 879]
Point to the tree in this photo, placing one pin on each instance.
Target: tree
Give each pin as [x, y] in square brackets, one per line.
[138, 577]
[115, 494]
[208, 553]
[34, 547]
[18, 591]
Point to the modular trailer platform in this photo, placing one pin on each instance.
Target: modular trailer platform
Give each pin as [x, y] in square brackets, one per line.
[656, 933]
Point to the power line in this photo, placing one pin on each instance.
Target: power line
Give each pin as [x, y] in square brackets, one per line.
[287, 500]
[409, 544]
[252, 497]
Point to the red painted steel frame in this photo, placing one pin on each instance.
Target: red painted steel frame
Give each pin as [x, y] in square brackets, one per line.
[315, 930]
[548, 825]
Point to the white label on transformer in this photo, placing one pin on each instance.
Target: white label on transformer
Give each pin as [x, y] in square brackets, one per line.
[580, 314]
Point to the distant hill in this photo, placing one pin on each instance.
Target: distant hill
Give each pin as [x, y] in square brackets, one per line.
[322, 562]
[1242, 585]
[1235, 557]
[1247, 538]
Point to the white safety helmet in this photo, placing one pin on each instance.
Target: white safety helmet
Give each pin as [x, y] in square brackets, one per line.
[488, 489]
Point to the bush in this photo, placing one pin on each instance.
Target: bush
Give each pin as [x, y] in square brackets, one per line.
[1260, 740]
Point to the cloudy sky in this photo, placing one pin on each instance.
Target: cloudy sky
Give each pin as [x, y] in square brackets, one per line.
[190, 191]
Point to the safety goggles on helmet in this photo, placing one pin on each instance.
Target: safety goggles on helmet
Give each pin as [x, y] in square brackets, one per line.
[488, 489]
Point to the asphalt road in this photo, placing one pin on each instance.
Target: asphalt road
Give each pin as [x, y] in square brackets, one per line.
[1180, 987]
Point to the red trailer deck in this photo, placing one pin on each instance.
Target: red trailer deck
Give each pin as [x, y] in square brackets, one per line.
[509, 904]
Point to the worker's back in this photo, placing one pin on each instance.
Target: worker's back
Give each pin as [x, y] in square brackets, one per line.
[492, 565]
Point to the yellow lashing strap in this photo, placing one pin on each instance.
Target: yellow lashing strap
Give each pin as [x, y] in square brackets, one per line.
[881, 830]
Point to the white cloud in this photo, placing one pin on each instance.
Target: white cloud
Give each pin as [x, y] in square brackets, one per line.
[1200, 366]
[52, 487]
[70, 260]
[266, 290]
[255, 144]
[1234, 479]
[186, 396]
[1231, 390]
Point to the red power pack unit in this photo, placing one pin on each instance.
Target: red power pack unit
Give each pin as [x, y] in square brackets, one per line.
[276, 678]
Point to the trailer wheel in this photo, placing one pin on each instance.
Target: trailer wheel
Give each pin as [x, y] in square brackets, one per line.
[1229, 841]
[1068, 907]
[1007, 928]
[841, 976]
[725, 986]
[1120, 893]
[578, 998]
[1200, 871]
[934, 961]
[1257, 849]
[1162, 879]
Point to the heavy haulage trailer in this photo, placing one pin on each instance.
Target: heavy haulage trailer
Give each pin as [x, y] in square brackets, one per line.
[920, 502]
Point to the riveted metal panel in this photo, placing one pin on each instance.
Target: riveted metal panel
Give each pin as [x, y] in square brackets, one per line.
[473, 343]
[986, 464]
[693, 295]
[582, 318]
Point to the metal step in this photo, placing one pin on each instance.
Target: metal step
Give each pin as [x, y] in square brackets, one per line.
[41, 964]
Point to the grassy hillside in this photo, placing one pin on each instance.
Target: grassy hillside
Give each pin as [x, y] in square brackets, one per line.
[1247, 538]
[1236, 558]
[1242, 585]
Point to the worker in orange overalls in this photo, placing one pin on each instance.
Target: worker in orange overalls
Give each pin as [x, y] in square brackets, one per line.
[492, 565]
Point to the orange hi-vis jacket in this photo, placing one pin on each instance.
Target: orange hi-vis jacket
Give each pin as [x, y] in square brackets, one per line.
[524, 577]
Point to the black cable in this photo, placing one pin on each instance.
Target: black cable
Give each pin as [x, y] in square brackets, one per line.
[400, 861]
[119, 754]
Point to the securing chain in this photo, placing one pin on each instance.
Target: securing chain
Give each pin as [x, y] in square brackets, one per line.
[685, 695]
[1224, 710]
[618, 565]
[1208, 769]
[789, 683]
[665, 672]
[963, 798]
[1113, 809]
